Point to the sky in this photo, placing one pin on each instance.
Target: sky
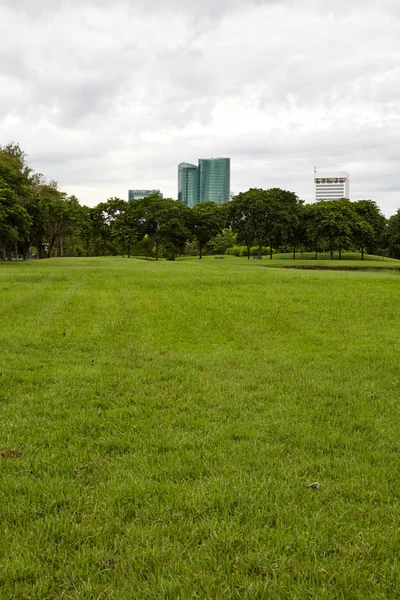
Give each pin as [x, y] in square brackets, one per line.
[109, 95]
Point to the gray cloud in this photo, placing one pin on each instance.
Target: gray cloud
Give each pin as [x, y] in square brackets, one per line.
[210, 9]
[108, 95]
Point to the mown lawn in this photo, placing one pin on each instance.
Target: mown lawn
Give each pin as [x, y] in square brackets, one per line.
[169, 417]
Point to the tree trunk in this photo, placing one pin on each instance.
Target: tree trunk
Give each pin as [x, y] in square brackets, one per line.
[201, 251]
[248, 252]
[362, 252]
[340, 254]
[50, 248]
[270, 249]
[61, 247]
[260, 251]
[156, 250]
[129, 250]
[294, 252]
[3, 250]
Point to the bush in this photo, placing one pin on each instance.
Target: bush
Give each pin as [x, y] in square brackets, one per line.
[233, 251]
[264, 250]
[242, 251]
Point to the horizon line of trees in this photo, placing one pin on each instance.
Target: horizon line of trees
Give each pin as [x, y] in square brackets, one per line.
[36, 218]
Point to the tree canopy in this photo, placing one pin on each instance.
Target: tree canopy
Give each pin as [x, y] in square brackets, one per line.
[36, 217]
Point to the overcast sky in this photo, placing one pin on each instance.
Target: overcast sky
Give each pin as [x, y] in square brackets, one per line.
[112, 94]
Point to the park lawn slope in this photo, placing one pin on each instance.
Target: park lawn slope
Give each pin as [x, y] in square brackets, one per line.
[162, 447]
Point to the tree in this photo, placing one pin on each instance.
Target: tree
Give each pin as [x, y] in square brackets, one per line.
[206, 221]
[103, 218]
[333, 221]
[173, 226]
[247, 216]
[14, 170]
[126, 227]
[222, 241]
[372, 226]
[165, 222]
[59, 213]
[285, 213]
[14, 219]
[393, 235]
[149, 213]
[264, 217]
[363, 234]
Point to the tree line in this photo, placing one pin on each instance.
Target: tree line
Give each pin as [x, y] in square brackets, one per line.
[38, 219]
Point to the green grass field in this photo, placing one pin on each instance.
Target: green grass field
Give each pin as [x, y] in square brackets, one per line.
[162, 447]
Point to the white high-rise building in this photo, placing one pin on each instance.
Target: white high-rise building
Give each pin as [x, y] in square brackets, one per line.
[331, 186]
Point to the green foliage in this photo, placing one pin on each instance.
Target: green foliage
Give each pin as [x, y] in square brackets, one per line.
[165, 222]
[332, 223]
[371, 226]
[233, 251]
[59, 226]
[265, 216]
[14, 219]
[222, 241]
[393, 235]
[206, 220]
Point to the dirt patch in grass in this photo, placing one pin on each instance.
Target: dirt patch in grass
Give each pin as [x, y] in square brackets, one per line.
[8, 453]
[338, 268]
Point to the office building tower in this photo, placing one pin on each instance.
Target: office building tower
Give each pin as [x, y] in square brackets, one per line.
[209, 181]
[139, 194]
[188, 184]
[331, 186]
[214, 179]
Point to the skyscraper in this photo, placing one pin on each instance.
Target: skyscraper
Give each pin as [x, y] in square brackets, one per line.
[214, 179]
[139, 194]
[209, 181]
[188, 184]
[331, 186]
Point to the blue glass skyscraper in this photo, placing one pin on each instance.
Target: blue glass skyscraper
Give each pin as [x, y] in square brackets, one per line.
[209, 181]
[140, 194]
[188, 184]
[214, 179]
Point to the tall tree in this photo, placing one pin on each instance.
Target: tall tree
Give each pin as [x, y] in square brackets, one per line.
[14, 219]
[247, 215]
[393, 235]
[334, 222]
[285, 215]
[14, 170]
[372, 226]
[165, 222]
[265, 217]
[206, 220]
[126, 227]
[103, 218]
[59, 214]
[173, 229]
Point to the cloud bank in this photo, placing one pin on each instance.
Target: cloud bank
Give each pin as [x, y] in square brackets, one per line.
[106, 96]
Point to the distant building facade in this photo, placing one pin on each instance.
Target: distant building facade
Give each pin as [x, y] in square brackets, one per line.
[188, 184]
[139, 194]
[214, 179]
[210, 180]
[331, 185]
